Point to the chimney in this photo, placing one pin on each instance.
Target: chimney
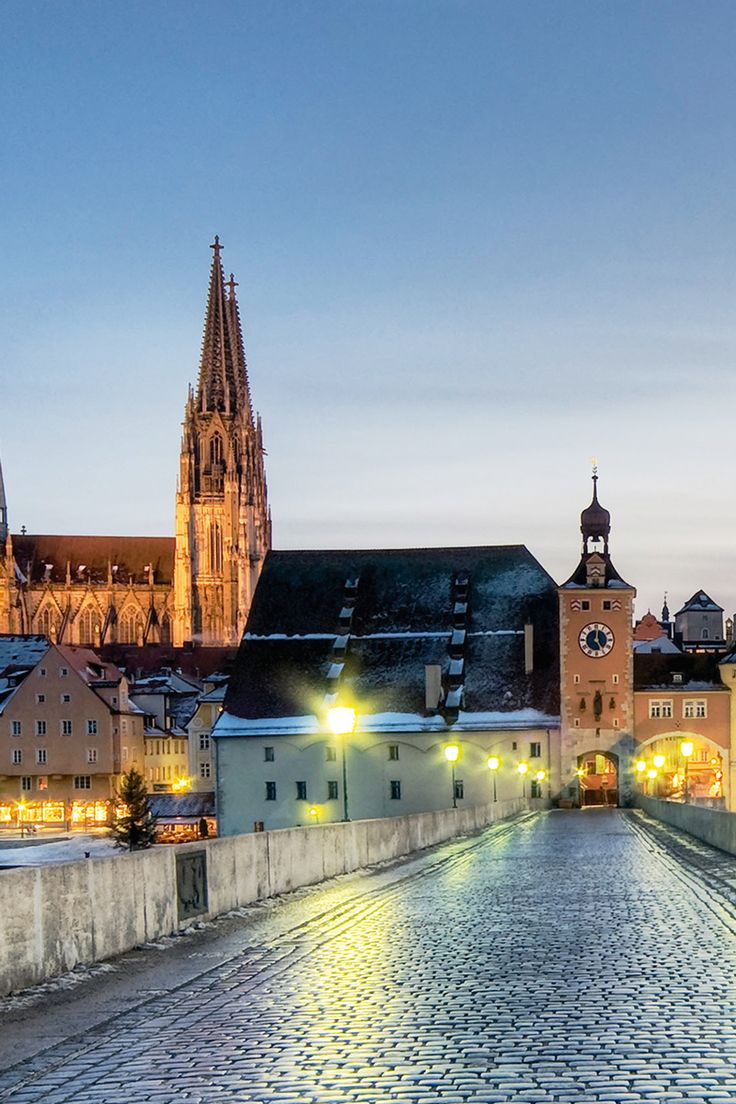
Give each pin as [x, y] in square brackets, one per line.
[528, 649]
[432, 686]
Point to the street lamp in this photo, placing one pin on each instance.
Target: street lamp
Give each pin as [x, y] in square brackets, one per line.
[341, 719]
[314, 814]
[687, 748]
[452, 754]
[493, 764]
[523, 769]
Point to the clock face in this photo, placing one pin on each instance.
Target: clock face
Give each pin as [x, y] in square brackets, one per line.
[596, 640]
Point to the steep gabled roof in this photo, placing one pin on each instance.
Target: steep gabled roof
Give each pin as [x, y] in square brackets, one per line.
[401, 619]
[700, 603]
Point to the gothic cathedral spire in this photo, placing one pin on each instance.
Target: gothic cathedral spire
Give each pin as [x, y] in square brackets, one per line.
[222, 521]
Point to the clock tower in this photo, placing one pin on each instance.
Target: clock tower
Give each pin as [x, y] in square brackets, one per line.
[596, 671]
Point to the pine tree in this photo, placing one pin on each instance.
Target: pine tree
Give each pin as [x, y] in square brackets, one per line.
[135, 830]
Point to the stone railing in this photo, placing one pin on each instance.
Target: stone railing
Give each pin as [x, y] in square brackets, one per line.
[56, 916]
[714, 826]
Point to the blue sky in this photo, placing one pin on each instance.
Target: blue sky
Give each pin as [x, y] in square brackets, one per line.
[477, 243]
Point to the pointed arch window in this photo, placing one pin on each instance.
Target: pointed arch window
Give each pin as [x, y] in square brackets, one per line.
[47, 623]
[130, 627]
[89, 626]
[215, 548]
[215, 449]
[165, 631]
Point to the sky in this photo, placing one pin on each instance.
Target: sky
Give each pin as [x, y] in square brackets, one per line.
[477, 244]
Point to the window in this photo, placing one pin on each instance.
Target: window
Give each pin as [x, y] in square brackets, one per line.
[677, 676]
[614, 680]
[66, 728]
[268, 755]
[301, 791]
[215, 548]
[704, 634]
[204, 741]
[536, 788]
[16, 728]
[577, 722]
[660, 707]
[26, 782]
[17, 757]
[42, 755]
[459, 789]
[82, 782]
[204, 770]
[88, 625]
[395, 790]
[585, 604]
[125, 754]
[270, 791]
[615, 722]
[42, 782]
[42, 672]
[393, 751]
[66, 699]
[63, 672]
[535, 751]
[91, 755]
[91, 728]
[332, 791]
[695, 707]
[40, 699]
[40, 728]
[576, 679]
[330, 754]
[606, 603]
[123, 727]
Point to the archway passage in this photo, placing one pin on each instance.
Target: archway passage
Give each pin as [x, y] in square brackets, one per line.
[598, 778]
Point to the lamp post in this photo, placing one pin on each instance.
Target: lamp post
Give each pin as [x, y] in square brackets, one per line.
[341, 719]
[493, 764]
[686, 748]
[523, 769]
[452, 753]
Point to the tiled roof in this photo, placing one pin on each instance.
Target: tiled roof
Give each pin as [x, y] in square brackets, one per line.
[699, 602]
[403, 612]
[655, 671]
[46, 556]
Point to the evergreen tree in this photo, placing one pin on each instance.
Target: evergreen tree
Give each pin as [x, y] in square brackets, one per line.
[135, 830]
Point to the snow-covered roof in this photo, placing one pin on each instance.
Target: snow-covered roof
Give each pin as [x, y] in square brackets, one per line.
[367, 624]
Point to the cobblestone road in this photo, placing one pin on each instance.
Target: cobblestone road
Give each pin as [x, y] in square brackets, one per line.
[564, 958]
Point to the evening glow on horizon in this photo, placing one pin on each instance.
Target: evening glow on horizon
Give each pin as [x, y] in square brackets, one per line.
[475, 245]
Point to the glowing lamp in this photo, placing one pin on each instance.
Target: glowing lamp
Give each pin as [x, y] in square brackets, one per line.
[651, 773]
[658, 761]
[641, 766]
[541, 775]
[523, 768]
[341, 719]
[452, 753]
[493, 763]
[687, 748]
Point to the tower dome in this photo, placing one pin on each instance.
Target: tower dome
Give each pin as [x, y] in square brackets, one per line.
[595, 520]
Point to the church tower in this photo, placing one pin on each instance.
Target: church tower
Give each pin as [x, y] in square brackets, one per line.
[596, 671]
[223, 525]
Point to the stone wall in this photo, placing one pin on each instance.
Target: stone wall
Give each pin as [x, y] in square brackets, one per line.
[54, 917]
[714, 826]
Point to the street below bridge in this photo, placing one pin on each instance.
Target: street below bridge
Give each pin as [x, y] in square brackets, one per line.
[560, 957]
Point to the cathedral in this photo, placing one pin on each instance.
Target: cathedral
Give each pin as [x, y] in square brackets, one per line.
[196, 586]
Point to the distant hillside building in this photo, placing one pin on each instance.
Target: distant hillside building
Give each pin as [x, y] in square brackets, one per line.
[196, 586]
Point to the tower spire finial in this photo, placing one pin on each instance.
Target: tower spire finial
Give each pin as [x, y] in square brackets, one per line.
[231, 285]
[216, 246]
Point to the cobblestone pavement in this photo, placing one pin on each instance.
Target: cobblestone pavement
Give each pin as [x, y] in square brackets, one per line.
[565, 958]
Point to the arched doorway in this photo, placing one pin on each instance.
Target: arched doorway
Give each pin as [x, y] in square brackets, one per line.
[598, 779]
